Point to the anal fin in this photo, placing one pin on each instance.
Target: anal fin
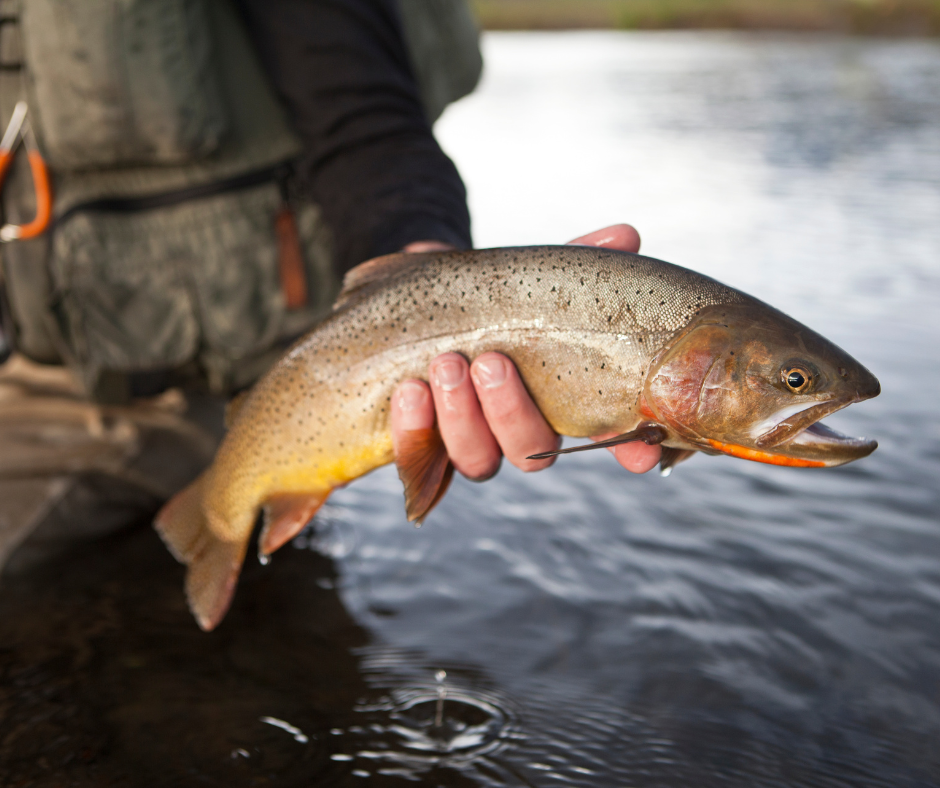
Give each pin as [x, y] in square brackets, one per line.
[425, 470]
[285, 515]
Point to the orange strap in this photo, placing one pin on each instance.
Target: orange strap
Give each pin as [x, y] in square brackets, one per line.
[290, 259]
[43, 189]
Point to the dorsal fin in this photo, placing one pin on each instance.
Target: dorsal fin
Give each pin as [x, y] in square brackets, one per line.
[375, 270]
[233, 407]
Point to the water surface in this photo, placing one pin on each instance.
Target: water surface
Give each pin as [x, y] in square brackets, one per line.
[732, 625]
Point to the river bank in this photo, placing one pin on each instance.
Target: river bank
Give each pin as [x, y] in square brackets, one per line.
[858, 17]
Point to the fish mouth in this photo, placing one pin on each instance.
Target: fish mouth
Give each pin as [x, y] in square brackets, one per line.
[803, 437]
[824, 444]
[803, 441]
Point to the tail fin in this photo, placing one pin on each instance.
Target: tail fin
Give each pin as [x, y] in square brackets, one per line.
[213, 565]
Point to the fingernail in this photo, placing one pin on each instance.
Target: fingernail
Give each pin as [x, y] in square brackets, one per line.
[491, 373]
[411, 396]
[449, 374]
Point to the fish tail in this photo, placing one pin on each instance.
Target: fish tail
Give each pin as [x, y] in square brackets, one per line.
[213, 565]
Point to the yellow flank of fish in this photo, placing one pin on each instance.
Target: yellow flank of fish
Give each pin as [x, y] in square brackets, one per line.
[328, 473]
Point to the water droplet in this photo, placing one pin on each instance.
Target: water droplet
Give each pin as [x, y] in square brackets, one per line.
[441, 695]
[286, 726]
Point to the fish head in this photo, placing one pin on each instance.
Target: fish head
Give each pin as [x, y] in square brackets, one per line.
[747, 380]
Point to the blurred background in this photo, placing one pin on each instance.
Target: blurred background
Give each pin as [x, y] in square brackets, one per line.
[867, 17]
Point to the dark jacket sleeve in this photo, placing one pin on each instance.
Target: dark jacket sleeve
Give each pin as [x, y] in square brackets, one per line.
[370, 159]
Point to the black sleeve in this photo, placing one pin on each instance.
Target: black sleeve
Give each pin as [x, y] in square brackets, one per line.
[370, 160]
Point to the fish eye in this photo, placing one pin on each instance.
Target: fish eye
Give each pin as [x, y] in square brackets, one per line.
[797, 379]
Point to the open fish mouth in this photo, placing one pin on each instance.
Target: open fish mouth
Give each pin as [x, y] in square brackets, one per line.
[824, 440]
[803, 441]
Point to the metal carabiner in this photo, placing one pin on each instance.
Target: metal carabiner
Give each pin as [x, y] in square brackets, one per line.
[17, 130]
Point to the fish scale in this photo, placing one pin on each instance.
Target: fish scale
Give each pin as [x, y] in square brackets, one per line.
[584, 326]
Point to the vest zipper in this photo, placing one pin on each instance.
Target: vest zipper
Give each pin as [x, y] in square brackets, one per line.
[278, 172]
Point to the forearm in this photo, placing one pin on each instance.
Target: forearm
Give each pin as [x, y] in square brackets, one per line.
[370, 159]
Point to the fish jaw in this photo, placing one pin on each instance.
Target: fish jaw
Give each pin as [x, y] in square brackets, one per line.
[815, 446]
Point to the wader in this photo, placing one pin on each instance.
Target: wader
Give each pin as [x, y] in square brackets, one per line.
[179, 254]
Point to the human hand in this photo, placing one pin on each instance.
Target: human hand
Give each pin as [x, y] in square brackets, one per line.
[483, 410]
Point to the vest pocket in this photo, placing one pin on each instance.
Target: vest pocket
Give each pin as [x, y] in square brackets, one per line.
[158, 289]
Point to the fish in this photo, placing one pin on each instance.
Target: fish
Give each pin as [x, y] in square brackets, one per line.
[604, 340]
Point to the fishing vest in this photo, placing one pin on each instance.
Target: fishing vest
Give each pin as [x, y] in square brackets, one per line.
[178, 244]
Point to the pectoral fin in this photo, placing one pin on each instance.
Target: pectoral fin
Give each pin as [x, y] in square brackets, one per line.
[285, 516]
[672, 457]
[650, 434]
[424, 468]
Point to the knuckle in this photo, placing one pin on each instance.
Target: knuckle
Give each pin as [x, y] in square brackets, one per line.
[509, 408]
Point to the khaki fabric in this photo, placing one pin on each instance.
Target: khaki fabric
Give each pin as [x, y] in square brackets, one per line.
[156, 289]
[258, 136]
[70, 469]
[120, 82]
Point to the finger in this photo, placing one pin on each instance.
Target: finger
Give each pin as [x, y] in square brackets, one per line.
[469, 441]
[636, 457]
[428, 246]
[618, 236]
[515, 421]
[412, 409]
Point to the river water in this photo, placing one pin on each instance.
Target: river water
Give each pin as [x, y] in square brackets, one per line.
[731, 625]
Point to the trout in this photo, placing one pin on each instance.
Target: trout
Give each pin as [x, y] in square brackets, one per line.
[605, 341]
